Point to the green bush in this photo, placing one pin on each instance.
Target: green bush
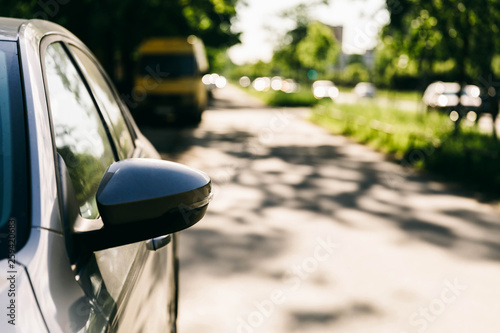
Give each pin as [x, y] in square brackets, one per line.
[301, 98]
[355, 73]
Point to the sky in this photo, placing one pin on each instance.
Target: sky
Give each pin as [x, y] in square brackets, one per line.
[262, 27]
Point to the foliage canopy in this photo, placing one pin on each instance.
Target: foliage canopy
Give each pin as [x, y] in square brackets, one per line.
[113, 29]
[430, 31]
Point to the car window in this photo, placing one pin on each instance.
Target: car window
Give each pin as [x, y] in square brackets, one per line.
[169, 65]
[80, 136]
[107, 102]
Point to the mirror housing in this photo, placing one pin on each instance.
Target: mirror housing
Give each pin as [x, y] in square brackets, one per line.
[140, 199]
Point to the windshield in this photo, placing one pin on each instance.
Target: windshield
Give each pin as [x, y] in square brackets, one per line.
[168, 65]
[13, 169]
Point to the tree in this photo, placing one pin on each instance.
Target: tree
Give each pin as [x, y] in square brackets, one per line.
[355, 73]
[319, 49]
[285, 58]
[309, 45]
[459, 30]
[431, 31]
[113, 29]
[355, 59]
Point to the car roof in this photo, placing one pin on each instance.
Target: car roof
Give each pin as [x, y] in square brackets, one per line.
[11, 27]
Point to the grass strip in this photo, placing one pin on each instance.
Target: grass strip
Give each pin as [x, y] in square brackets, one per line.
[425, 141]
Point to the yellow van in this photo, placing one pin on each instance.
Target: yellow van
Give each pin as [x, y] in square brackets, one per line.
[168, 81]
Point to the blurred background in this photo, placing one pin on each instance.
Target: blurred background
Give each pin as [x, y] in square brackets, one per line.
[313, 232]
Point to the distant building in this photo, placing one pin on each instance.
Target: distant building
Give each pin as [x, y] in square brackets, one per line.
[368, 56]
[338, 32]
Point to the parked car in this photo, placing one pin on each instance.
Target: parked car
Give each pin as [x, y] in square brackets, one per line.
[213, 81]
[365, 89]
[176, 65]
[324, 88]
[444, 96]
[89, 214]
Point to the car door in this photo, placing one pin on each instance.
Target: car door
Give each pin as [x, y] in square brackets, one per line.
[152, 302]
[90, 132]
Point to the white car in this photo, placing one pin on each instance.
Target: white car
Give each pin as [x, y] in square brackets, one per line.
[444, 96]
[324, 89]
[88, 211]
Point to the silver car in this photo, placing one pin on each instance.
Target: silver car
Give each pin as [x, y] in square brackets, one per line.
[88, 212]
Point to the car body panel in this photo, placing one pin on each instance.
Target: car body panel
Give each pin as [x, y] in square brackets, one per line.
[42, 164]
[136, 317]
[62, 301]
[24, 302]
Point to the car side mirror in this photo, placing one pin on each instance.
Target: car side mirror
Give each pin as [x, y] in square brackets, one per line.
[140, 199]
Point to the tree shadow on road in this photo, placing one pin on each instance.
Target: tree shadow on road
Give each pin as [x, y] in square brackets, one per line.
[306, 320]
[218, 254]
[327, 179]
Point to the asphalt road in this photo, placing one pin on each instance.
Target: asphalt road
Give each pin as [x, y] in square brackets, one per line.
[309, 232]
